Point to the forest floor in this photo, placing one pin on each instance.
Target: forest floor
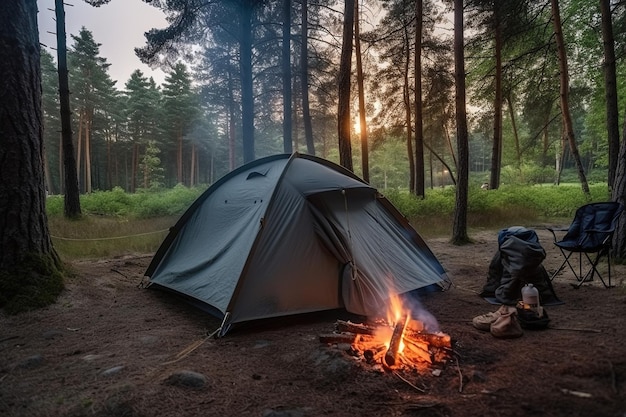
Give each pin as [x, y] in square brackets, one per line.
[110, 348]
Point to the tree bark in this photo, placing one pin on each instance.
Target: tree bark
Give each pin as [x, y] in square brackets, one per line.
[304, 70]
[564, 94]
[619, 195]
[71, 208]
[419, 124]
[407, 112]
[610, 87]
[343, 113]
[247, 93]
[359, 79]
[459, 227]
[496, 152]
[286, 64]
[24, 233]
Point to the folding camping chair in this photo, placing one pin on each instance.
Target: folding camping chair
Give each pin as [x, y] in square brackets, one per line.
[590, 233]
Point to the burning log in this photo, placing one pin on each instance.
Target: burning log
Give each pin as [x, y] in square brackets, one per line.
[396, 338]
[372, 354]
[417, 351]
[440, 340]
[359, 328]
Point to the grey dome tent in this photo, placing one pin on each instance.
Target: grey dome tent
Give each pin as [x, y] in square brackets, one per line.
[290, 234]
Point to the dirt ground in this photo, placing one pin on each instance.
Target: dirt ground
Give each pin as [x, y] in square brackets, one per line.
[109, 348]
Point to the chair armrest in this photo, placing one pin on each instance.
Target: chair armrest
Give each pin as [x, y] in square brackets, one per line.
[553, 230]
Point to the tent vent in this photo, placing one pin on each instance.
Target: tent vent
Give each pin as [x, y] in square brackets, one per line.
[255, 174]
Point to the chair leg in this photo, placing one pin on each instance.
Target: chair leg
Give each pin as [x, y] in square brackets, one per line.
[562, 267]
[594, 269]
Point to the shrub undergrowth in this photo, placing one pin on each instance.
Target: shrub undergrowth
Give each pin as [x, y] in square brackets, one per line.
[116, 222]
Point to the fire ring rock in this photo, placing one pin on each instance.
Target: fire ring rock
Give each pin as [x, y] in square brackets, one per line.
[188, 379]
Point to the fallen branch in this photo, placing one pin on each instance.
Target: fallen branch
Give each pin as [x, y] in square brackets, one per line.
[458, 368]
[576, 329]
[348, 326]
[408, 382]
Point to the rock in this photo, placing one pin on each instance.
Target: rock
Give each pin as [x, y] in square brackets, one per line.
[112, 371]
[90, 358]
[52, 334]
[31, 362]
[189, 379]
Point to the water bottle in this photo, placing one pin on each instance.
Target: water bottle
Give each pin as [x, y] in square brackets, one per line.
[530, 296]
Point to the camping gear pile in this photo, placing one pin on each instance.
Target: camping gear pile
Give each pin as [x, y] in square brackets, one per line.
[515, 272]
[292, 234]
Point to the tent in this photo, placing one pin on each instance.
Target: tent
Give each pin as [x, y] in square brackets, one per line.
[291, 234]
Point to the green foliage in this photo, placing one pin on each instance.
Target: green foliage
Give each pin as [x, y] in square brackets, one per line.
[166, 203]
[142, 205]
[533, 202]
[114, 203]
[36, 282]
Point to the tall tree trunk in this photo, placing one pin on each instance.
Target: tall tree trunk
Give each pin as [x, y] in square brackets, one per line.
[518, 152]
[245, 67]
[610, 87]
[359, 80]
[343, 113]
[79, 149]
[286, 64]
[496, 152]
[459, 227]
[564, 89]
[71, 204]
[407, 111]
[231, 122]
[179, 156]
[419, 124]
[88, 129]
[304, 77]
[29, 266]
[134, 167]
[619, 195]
[192, 168]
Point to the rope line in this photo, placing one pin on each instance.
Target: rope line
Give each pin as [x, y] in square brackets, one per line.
[109, 238]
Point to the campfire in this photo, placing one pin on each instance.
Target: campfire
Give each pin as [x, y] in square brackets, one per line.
[395, 342]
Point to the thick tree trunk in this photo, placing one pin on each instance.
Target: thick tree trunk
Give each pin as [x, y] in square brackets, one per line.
[564, 88]
[359, 80]
[343, 113]
[286, 64]
[459, 227]
[610, 87]
[419, 124]
[25, 245]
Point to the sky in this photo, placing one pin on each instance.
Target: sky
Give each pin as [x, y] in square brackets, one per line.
[118, 26]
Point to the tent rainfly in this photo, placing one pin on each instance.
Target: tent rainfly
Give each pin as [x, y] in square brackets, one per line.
[291, 234]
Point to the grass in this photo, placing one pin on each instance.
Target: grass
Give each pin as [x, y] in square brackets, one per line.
[106, 237]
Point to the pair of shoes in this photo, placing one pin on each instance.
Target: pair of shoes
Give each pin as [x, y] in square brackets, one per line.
[507, 326]
[484, 321]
